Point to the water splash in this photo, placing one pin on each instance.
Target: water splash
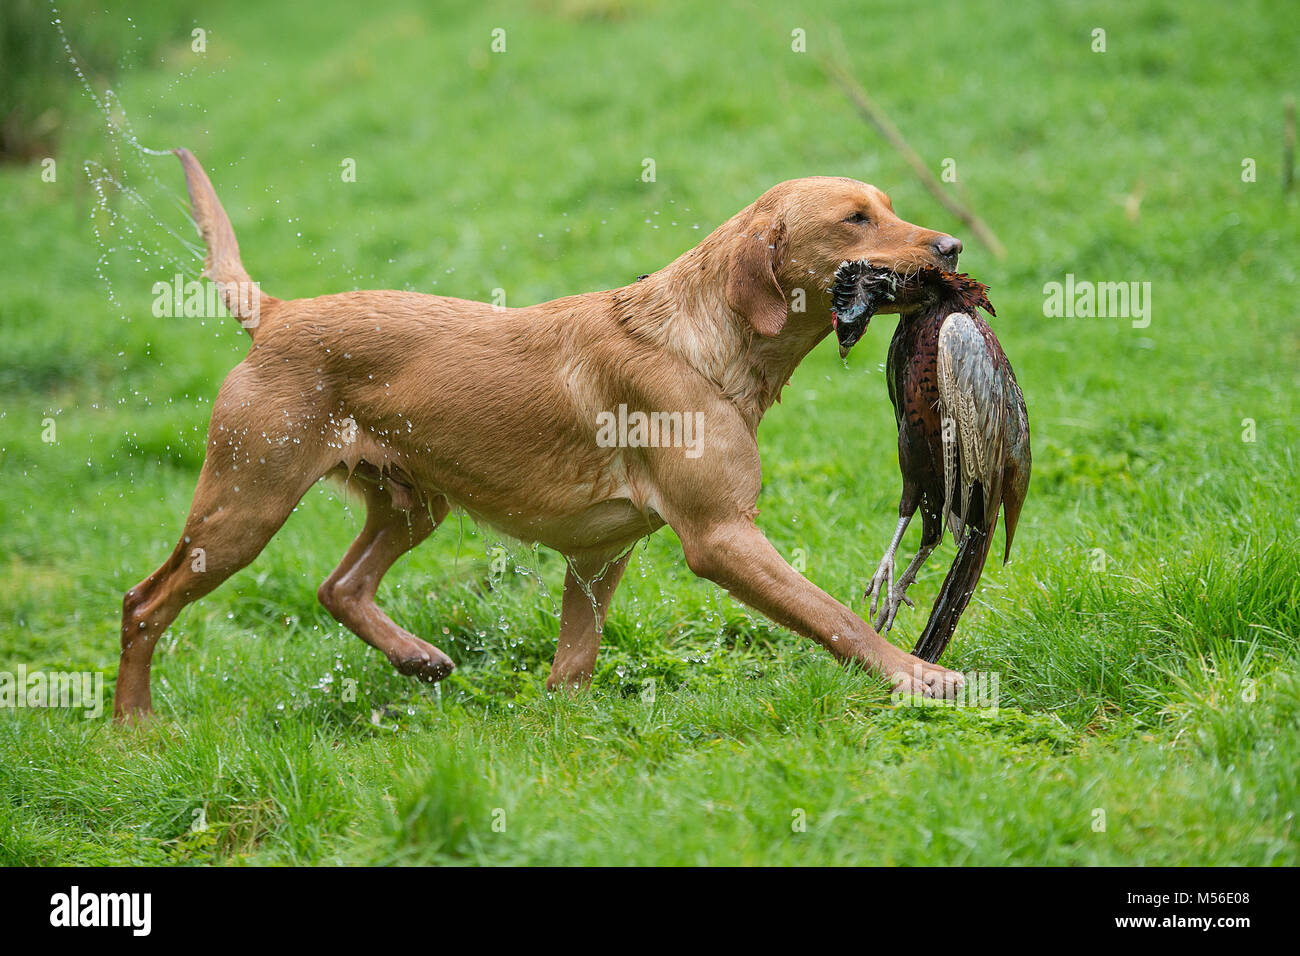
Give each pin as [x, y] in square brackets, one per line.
[129, 225]
[122, 128]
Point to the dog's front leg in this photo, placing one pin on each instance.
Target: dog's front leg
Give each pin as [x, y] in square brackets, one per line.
[588, 587]
[737, 556]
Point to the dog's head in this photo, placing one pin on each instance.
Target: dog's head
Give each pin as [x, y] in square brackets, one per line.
[799, 232]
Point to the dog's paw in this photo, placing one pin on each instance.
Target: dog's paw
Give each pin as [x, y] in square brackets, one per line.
[927, 680]
[425, 663]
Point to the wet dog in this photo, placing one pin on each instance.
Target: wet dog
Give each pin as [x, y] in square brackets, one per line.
[424, 402]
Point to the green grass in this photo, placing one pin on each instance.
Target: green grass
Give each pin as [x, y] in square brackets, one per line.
[1144, 634]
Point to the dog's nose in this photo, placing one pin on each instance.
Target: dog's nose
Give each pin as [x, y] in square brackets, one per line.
[947, 247]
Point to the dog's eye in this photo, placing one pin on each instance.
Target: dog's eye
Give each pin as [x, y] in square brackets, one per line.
[858, 218]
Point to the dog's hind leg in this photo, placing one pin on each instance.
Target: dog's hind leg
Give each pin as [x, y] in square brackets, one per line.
[235, 513]
[588, 587]
[349, 592]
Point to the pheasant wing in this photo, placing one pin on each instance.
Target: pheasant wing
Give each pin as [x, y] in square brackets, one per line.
[972, 408]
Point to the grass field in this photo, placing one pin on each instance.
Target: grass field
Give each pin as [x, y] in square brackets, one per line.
[1144, 633]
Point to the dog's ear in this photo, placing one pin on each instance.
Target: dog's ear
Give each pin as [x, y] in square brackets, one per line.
[752, 288]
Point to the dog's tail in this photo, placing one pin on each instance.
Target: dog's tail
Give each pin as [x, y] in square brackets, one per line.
[240, 294]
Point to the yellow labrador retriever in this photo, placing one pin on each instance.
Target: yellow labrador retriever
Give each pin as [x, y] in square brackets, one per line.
[584, 424]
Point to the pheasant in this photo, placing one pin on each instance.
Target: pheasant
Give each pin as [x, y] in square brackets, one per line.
[963, 431]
